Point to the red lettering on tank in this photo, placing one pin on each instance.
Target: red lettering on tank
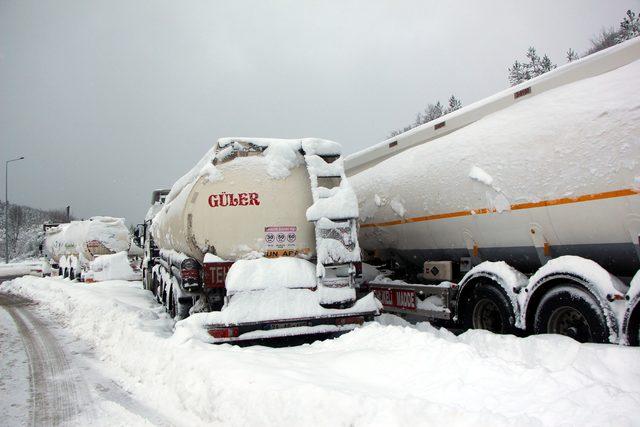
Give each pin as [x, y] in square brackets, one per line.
[225, 199]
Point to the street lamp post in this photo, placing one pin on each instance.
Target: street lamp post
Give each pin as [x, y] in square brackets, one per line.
[6, 206]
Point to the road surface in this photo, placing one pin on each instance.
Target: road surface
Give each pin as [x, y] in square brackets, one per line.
[49, 378]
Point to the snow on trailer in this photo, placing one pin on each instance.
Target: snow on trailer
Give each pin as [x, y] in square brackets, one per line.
[527, 178]
[72, 246]
[259, 240]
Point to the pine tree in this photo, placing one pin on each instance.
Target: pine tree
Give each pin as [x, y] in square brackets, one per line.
[546, 65]
[629, 27]
[516, 73]
[536, 66]
[571, 55]
[454, 104]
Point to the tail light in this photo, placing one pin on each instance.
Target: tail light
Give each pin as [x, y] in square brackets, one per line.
[223, 332]
[352, 320]
[190, 270]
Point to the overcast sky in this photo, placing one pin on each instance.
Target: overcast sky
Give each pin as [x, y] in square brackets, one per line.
[110, 100]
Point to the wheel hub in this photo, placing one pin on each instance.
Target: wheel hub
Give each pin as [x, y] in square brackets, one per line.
[486, 315]
[569, 322]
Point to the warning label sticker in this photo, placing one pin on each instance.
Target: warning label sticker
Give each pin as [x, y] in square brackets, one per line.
[280, 237]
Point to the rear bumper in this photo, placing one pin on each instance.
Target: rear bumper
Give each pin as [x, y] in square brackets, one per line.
[267, 330]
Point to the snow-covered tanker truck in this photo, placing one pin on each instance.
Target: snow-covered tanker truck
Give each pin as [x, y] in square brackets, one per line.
[258, 241]
[519, 213]
[72, 246]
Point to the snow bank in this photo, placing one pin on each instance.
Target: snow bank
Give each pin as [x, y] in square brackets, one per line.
[28, 267]
[387, 373]
[111, 267]
[266, 305]
[270, 273]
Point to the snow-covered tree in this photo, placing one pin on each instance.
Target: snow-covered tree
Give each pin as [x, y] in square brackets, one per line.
[521, 72]
[517, 73]
[546, 65]
[432, 112]
[454, 104]
[629, 27]
[571, 55]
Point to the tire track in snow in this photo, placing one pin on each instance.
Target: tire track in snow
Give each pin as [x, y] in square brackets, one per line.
[58, 392]
[65, 387]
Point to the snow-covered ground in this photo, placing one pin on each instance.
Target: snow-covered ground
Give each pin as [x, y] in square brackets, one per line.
[385, 373]
[31, 266]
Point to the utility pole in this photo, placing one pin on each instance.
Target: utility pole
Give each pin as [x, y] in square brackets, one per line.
[69, 213]
[6, 207]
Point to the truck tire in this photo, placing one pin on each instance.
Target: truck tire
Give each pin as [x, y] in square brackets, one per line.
[573, 312]
[486, 307]
[178, 310]
[633, 327]
[171, 306]
[155, 288]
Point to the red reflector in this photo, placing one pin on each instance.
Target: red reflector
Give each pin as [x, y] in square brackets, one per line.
[189, 273]
[522, 92]
[353, 320]
[223, 332]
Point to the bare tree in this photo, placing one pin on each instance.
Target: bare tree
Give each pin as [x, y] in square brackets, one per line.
[571, 55]
[16, 219]
[606, 38]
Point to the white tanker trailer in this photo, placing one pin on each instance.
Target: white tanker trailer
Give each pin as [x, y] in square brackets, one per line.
[258, 241]
[72, 246]
[528, 200]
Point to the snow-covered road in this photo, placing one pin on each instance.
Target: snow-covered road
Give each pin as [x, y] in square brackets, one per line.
[385, 373]
[47, 378]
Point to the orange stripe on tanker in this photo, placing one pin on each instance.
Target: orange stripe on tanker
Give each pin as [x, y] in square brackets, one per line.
[519, 206]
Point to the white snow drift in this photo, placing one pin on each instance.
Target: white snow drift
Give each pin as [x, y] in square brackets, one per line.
[385, 373]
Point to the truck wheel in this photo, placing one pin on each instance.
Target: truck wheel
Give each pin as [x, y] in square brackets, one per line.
[633, 328]
[172, 306]
[71, 274]
[155, 287]
[60, 271]
[571, 311]
[489, 309]
[65, 274]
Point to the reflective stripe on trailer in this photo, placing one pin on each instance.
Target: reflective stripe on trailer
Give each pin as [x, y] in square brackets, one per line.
[518, 206]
